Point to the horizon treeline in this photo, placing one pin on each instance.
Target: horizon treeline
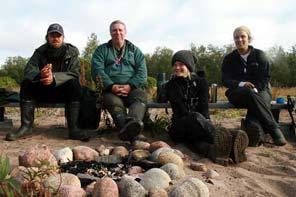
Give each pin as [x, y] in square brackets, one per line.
[210, 57]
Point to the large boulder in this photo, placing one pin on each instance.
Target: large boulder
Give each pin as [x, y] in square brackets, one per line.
[63, 155]
[131, 188]
[192, 187]
[84, 153]
[71, 191]
[173, 171]
[34, 156]
[105, 187]
[57, 180]
[157, 144]
[170, 157]
[120, 150]
[155, 178]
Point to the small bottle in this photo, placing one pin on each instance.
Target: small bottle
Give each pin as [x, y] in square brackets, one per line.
[213, 93]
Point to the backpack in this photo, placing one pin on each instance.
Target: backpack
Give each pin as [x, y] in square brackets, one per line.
[89, 115]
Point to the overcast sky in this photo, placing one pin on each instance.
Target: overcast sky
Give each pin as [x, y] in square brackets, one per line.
[150, 23]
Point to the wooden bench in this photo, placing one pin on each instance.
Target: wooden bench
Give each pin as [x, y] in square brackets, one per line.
[275, 107]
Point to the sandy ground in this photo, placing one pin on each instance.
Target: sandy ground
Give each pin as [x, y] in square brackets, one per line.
[269, 170]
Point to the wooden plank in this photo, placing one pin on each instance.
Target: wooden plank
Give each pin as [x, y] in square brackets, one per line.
[218, 105]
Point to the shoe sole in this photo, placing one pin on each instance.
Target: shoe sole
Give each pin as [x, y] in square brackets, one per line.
[7, 138]
[240, 143]
[222, 147]
[130, 130]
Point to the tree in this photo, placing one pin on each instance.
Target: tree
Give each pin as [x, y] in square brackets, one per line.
[279, 66]
[14, 68]
[159, 61]
[85, 60]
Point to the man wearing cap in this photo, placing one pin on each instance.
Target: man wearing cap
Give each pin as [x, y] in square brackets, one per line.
[187, 93]
[51, 76]
[122, 68]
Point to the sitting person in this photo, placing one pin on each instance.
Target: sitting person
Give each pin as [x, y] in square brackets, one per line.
[245, 72]
[121, 67]
[51, 76]
[188, 96]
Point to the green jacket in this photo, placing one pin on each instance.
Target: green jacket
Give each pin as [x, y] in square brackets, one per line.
[133, 70]
[70, 66]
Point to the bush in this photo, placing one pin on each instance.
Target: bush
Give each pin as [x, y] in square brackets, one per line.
[7, 82]
[151, 82]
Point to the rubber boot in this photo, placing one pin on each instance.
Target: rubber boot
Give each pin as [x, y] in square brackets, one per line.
[119, 120]
[72, 114]
[254, 131]
[27, 119]
[134, 124]
[240, 142]
[278, 137]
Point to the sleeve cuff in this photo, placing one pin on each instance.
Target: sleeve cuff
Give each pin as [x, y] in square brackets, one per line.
[241, 84]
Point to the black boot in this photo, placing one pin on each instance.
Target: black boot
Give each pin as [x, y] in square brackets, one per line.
[240, 142]
[27, 119]
[254, 131]
[134, 124]
[220, 150]
[72, 114]
[131, 130]
[278, 137]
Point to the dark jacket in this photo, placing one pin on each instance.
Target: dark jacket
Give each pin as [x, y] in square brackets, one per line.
[188, 95]
[133, 70]
[257, 69]
[69, 68]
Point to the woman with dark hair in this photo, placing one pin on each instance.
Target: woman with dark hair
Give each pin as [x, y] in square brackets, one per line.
[187, 93]
[245, 72]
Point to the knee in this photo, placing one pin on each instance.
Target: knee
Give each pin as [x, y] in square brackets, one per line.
[138, 95]
[110, 99]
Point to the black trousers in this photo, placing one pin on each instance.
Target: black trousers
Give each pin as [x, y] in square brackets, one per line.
[192, 128]
[257, 104]
[70, 91]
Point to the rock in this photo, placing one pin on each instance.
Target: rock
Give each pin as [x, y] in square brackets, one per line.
[21, 175]
[131, 188]
[63, 155]
[155, 178]
[84, 153]
[209, 174]
[192, 187]
[71, 191]
[173, 171]
[198, 166]
[100, 149]
[105, 187]
[155, 154]
[135, 170]
[156, 145]
[170, 157]
[121, 151]
[109, 159]
[141, 145]
[158, 193]
[138, 155]
[34, 155]
[86, 179]
[90, 188]
[55, 181]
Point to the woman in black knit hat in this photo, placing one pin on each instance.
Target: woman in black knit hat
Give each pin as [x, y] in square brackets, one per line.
[187, 93]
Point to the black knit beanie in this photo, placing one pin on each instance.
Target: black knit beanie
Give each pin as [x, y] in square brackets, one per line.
[185, 57]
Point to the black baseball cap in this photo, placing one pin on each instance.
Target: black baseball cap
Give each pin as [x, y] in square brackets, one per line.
[55, 28]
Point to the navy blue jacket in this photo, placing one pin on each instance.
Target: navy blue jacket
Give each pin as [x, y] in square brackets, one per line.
[257, 69]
